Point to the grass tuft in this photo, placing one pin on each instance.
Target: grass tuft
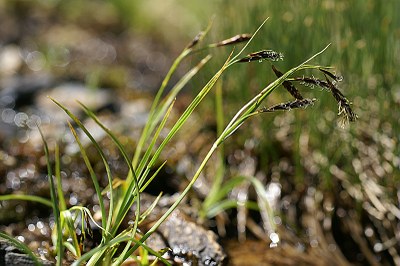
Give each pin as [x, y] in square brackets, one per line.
[120, 244]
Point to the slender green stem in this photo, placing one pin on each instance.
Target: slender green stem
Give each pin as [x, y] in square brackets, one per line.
[219, 176]
[61, 199]
[93, 177]
[234, 59]
[153, 107]
[53, 195]
[150, 125]
[161, 111]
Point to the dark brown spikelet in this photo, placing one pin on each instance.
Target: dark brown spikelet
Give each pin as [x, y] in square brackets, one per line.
[312, 81]
[288, 85]
[262, 55]
[235, 39]
[195, 40]
[344, 109]
[304, 103]
[330, 74]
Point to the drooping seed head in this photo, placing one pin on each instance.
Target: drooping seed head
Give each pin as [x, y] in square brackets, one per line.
[312, 81]
[332, 75]
[288, 85]
[235, 39]
[304, 103]
[262, 55]
[195, 40]
[344, 109]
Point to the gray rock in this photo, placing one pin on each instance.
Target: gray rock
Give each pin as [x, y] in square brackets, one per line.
[11, 255]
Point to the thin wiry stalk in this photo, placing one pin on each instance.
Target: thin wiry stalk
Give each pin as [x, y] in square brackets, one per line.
[92, 175]
[54, 201]
[189, 110]
[157, 116]
[143, 187]
[61, 199]
[151, 207]
[147, 128]
[85, 212]
[219, 176]
[146, 156]
[234, 59]
[171, 96]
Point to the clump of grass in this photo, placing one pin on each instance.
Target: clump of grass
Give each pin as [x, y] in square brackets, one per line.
[118, 244]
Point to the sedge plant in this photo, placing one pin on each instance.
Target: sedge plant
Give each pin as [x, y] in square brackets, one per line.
[119, 244]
